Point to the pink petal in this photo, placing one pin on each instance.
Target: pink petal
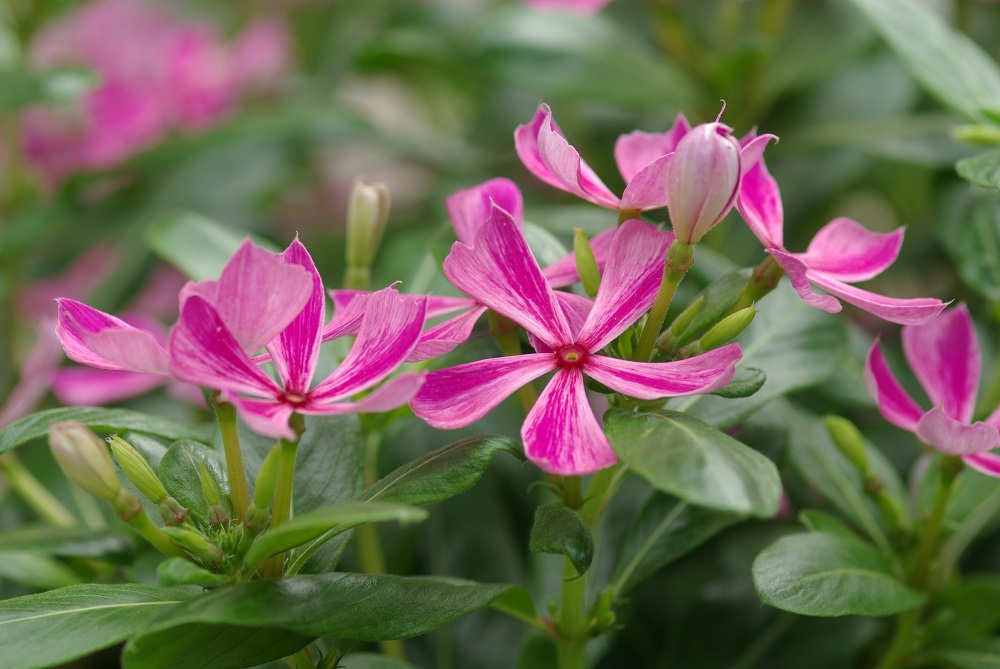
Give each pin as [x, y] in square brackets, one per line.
[203, 352]
[79, 386]
[575, 307]
[439, 305]
[987, 463]
[561, 434]
[798, 274]
[638, 149]
[944, 355]
[390, 395]
[648, 188]
[584, 7]
[296, 350]
[563, 272]
[445, 336]
[500, 272]
[652, 380]
[631, 278]
[458, 396]
[893, 402]
[759, 201]
[390, 329]
[470, 207]
[97, 339]
[348, 310]
[265, 417]
[903, 311]
[847, 251]
[259, 294]
[953, 437]
[546, 153]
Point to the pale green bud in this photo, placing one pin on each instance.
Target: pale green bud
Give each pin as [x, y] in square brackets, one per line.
[728, 329]
[137, 470]
[669, 339]
[847, 438]
[256, 519]
[208, 487]
[172, 512]
[84, 459]
[586, 264]
[267, 480]
[977, 134]
[367, 214]
[196, 544]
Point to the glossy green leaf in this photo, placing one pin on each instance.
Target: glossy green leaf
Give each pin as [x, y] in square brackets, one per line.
[949, 64]
[76, 542]
[330, 462]
[690, 459]
[55, 627]
[816, 520]
[179, 571]
[559, 530]
[37, 425]
[35, 570]
[819, 574]
[354, 606]
[745, 383]
[196, 245]
[332, 521]
[665, 529]
[982, 169]
[179, 474]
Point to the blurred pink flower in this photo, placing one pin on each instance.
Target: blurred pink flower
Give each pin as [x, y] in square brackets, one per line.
[157, 72]
[575, 6]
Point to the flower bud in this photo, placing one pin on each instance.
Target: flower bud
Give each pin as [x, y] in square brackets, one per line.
[217, 514]
[137, 470]
[367, 213]
[847, 438]
[586, 264]
[671, 337]
[256, 519]
[126, 505]
[728, 329]
[84, 459]
[703, 180]
[267, 480]
[196, 544]
[172, 512]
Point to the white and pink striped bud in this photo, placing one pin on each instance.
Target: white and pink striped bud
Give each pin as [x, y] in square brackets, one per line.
[703, 180]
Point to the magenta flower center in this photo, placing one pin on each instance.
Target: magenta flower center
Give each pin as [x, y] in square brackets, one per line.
[293, 398]
[570, 356]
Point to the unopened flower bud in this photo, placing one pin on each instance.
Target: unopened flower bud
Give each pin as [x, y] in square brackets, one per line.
[671, 337]
[172, 512]
[84, 458]
[208, 487]
[217, 515]
[196, 544]
[267, 480]
[586, 264]
[367, 213]
[847, 438]
[703, 180]
[126, 505]
[137, 470]
[728, 329]
[256, 519]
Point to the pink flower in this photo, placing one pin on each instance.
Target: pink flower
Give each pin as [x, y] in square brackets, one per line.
[642, 160]
[842, 252]
[204, 349]
[157, 72]
[944, 356]
[561, 433]
[576, 6]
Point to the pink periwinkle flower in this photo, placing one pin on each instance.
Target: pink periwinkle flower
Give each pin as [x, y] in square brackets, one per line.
[561, 434]
[585, 7]
[204, 349]
[843, 252]
[157, 72]
[944, 356]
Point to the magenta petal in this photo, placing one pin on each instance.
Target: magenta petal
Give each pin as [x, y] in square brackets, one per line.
[563, 272]
[296, 350]
[638, 149]
[439, 305]
[948, 435]
[903, 311]
[500, 272]
[203, 352]
[545, 152]
[444, 337]
[97, 339]
[987, 463]
[390, 395]
[652, 380]
[561, 434]
[348, 310]
[457, 396]
[265, 417]
[631, 278]
[798, 274]
[575, 307]
[893, 402]
[648, 188]
[259, 294]
[470, 207]
[847, 251]
[944, 355]
[79, 386]
[389, 331]
[759, 201]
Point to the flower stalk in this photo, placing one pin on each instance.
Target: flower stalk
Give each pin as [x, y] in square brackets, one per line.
[226, 414]
[679, 259]
[274, 567]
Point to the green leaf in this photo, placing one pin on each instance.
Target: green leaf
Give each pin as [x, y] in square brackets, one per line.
[745, 383]
[517, 603]
[794, 345]
[819, 574]
[353, 606]
[665, 529]
[372, 661]
[982, 169]
[686, 457]
[964, 611]
[76, 542]
[55, 627]
[441, 474]
[949, 64]
[559, 530]
[815, 520]
[179, 474]
[718, 296]
[37, 425]
[973, 241]
[179, 571]
[330, 462]
[983, 654]
[197, 246]
[331, 521]
[35, 570]
[537, 652]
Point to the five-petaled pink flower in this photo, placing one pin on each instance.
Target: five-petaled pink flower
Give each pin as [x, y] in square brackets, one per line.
[842, 252]
[205, 351]
[585, 7]
[944, 356]
[561, 433]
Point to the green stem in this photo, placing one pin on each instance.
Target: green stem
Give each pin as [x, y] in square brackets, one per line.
[505, 331]
[34, 493]
[154, 535]
[282, 510]
[764, 279]
[602, 488]
[572, 612]
[679, 259]
[226, 414]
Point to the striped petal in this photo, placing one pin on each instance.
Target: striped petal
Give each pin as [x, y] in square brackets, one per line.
[638, 149]
[562, 273]
[759, 201]
[469, 208]
[847, 251]
[445, 336]
[652, 380]
[987, 463]
[944, 433]
[97, 339]
[893, 402]
[392, 394]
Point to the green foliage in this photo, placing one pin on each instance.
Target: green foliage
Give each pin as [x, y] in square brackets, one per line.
[982, 169]
[71, 542]
[180, 571]
[559, 530]
[179, 473]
